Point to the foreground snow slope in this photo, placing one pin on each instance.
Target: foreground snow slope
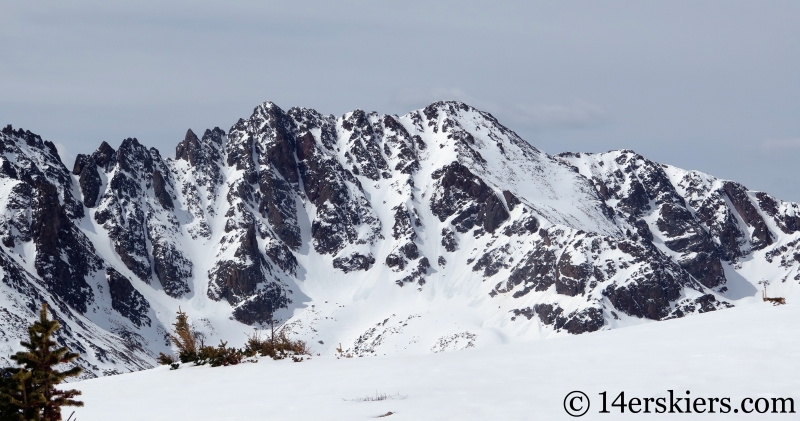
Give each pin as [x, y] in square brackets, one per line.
[748, 351]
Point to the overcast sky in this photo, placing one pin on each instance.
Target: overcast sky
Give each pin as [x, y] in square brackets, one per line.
[706, 85]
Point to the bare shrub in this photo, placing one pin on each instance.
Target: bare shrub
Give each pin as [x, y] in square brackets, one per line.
[278, 348]
[219, 355]
[379, 397]
[774, 300]
[165, 359]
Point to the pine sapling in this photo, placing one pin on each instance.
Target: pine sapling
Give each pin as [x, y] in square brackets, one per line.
[32, 391]
[183, 338]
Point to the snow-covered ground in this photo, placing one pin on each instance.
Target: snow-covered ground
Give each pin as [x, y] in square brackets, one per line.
[751, 351]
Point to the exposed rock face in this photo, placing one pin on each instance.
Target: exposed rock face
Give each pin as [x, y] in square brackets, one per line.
[191, 150]
[47, 256]
[137, 210]
[288, 210]
[737, 194]
[784, 214]
[700, 304]
[42, 209]
[246, 280]
[234, 280]
[461, 193]
[86, 167]
[282, 256]
[364, 147]
[353, 262]
[577, 322]
[340, 208]
[652, 284]
[449, 241]
[126, 300]
[204, 156]
[121, 213]
[643, 191]
[172, 268]
[160, 191]
[52, 232]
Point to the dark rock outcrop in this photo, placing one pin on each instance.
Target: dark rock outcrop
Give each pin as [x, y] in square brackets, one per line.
[354, 262]
[160, 190]
[737, 194]
[339, 210]
[41, 208]
[122, 210]
[449, 241]
[702, 304]
[577, 322]
[235, 280]
[459, 192]
[172, 268]
[637, 185]
[126, 300]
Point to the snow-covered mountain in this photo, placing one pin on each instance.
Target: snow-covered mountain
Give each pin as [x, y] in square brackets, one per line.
[437, 230]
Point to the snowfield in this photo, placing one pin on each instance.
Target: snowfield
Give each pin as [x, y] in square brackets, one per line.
[752, 351]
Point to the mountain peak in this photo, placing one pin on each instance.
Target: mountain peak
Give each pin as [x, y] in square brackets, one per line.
[383, 233]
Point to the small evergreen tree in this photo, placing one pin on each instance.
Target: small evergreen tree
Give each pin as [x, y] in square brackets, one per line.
[31, 393]
[24, 401]
[5, 402]
[183, 338]
[7, 412]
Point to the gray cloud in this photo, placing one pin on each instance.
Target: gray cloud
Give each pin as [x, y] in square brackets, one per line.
[67, 157]
[776, 145]
[576, 115]
[694, 84]
[418, 97]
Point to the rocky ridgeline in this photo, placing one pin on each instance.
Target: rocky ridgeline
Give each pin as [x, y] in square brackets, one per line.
[241, 223]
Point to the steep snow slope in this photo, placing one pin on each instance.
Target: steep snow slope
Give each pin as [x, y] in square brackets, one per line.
[437, 230]
[750, 351]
